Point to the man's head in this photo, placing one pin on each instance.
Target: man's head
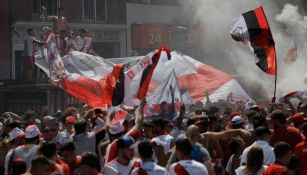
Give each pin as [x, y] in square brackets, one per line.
[158, 126]
[163, 107]
[69, 122]
[145, 150]
[282, 152]
[16, 137]
[68, 152]
[193, 133]
[49, 133]
[81, 127]
[61, 11]
[89, 163]
[48, 150]
[278, 118]
[237, 122]
[30, 31]
[183, 148]
[32, 134]
[29, 117]
[298, 120]
[115, 130]
[236, 145]
[125, 147]
[40, 166]
[263, 133]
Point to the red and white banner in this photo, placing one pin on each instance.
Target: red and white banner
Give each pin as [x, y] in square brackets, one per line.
[166, 99]
[85, 76]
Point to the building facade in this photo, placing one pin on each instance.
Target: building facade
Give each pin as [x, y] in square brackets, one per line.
[121, 28]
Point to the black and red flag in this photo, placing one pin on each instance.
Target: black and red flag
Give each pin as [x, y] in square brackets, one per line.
[252, 28]
[130, 81]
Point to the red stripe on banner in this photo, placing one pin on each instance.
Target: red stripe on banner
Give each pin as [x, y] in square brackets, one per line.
[83, 89]
[265, 39]
[111, 81]
[207, 79]
[145, 83]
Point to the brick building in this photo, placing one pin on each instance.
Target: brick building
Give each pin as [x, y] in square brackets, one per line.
[121, 28]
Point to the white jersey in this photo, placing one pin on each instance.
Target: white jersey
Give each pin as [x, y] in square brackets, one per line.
[268, 152]
[165, 141]
[240, 170]
[116, 168]
[151, 168]
[64, 137]
[190, 167]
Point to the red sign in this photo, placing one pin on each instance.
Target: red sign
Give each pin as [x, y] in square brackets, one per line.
[145, 36]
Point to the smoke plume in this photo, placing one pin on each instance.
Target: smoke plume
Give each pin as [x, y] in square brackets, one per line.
[221, 51]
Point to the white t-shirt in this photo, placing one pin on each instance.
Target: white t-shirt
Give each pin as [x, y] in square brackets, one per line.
[151, 168]
[191, 166]
[268, 152]
[240, 170]
[28, 45]
[116, 168]
[165, 141]
[64, 137]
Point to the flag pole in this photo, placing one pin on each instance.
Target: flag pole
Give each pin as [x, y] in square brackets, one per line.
[276, 70]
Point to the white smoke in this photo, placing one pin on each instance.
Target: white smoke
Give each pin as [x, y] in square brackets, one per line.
[221, 51]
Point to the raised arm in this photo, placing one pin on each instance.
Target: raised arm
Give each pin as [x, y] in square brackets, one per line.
[227, 134]
[139, 116]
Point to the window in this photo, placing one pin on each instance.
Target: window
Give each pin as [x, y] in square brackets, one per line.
[94, 10]
[50, 5]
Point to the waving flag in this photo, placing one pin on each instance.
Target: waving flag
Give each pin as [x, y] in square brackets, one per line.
[79, 74]
[252, 28]
[292, 52]
[301, 95]
[129, 82]
[166, 99]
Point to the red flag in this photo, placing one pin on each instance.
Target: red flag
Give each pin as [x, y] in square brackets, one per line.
[253, 28]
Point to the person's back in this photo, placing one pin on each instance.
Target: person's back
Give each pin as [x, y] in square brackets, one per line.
[187, 166]
[263, 136]
[282, 152]
[26, 152]
[300, 151]
[148, 167]
[84, 142]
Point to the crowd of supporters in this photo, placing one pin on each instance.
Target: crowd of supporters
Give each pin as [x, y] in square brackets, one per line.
[215, 138]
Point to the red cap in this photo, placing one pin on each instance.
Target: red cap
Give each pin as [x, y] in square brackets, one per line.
[233, 114]
[298, 118]
[70, 119]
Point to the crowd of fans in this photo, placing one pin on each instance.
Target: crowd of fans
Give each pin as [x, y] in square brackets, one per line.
[219, 138]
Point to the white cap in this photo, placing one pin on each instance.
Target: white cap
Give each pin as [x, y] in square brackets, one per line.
[16, 132]
[115, 128]
[236, 120]
[32, 131]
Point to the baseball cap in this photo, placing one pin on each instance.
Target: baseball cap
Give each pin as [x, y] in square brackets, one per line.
[70, 119]
[236, 120]
[32, 131]
[48, 117]
[16, 133]
[233, 114]
[298, 118]
[126, 142]
[116, 128]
